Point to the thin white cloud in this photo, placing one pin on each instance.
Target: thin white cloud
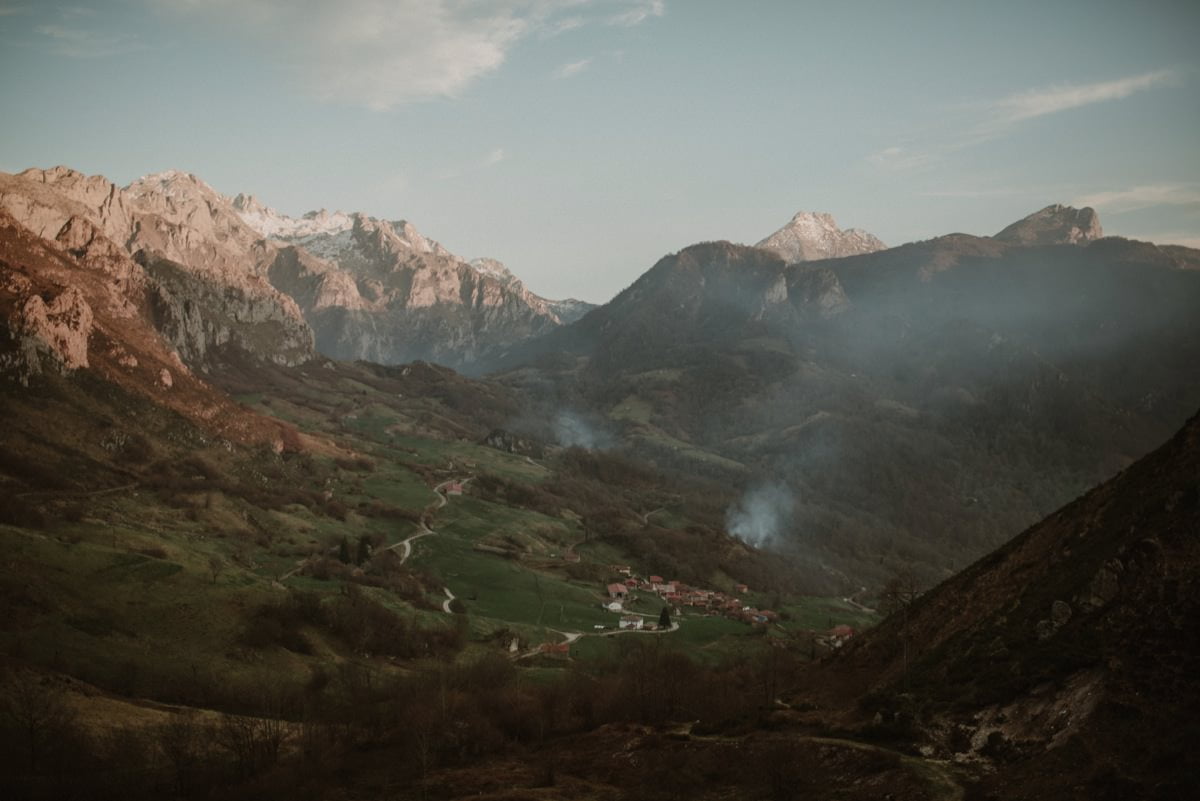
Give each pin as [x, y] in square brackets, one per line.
[980, 123]
[642, 10]
[385, 53]
[974, 194]
[72, 42]
[573, 68]
[488, 160]
[1142, 197]
[1052, 100]
[560, 26]
[898, 159]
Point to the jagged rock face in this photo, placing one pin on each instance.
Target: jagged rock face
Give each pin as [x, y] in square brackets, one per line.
[78, 306]
[810, 236]
[381, 291]
[273, 225]
[1054, 225]
[220, 272]
[818, 290]
[200, 317]
[216, 293]
[48, 333]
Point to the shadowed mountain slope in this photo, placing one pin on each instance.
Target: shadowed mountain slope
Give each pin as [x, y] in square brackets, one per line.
[1067, 657]
[921, 403]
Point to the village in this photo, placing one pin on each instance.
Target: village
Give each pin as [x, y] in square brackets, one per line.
[677, 596]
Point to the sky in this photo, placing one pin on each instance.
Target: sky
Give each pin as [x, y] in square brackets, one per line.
[578, 141]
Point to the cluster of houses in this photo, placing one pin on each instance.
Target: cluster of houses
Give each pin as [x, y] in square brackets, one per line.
[679, 595]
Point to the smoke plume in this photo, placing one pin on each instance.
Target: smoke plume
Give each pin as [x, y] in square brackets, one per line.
[761, 514]
[571, 430]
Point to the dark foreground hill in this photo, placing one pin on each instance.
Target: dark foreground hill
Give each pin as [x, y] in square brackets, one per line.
[1066, 659]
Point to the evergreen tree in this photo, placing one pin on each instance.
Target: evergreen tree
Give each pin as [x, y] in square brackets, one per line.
[664, 618]
[344, 552]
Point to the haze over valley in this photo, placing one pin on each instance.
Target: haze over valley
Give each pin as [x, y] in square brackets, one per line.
[598, 399]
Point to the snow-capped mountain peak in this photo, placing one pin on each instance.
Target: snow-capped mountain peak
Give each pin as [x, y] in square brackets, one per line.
[272, 224]
[494, 269]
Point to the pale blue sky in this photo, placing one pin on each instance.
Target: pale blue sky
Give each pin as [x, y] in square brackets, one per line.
[580, 140]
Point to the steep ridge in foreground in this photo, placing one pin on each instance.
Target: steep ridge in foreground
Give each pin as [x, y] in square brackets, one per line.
[1067, 658]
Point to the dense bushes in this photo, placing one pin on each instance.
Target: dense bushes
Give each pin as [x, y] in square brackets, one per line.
[361, 622]
[308, 738]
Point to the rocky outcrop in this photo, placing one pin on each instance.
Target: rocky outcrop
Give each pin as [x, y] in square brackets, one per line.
[214, 294]
[504, 440]
[48, 333]
[201, 317]
[225, 273]
[810, 236]
[381, 291]
[817, 291]
[1054, 225]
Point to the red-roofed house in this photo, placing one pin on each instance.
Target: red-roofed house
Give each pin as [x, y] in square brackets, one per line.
[617, 590]
[656, 579]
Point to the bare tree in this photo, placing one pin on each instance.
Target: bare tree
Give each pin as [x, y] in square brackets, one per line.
[215, 566]
[37, 709]
[898, 594]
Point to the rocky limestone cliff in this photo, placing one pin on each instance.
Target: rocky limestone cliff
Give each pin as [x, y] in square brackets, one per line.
[46, 333]
[817, 290]
[1054, 225]
[810, 236]
[273, 225]
[78, 306]
[380, 290]
[217, 295]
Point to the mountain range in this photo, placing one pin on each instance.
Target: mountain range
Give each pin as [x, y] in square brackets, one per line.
[918, 403]
[346, 285]
[269, 559]
[921, 403]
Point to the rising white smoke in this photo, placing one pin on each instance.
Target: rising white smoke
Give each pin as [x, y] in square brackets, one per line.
[571, 430]
[761, 514]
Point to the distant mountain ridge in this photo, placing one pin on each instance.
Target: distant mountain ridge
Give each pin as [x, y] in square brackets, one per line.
[811, 236]
[204, 270]
[993, 379]
[389, 294]
[232, 272]
[1054, 225]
